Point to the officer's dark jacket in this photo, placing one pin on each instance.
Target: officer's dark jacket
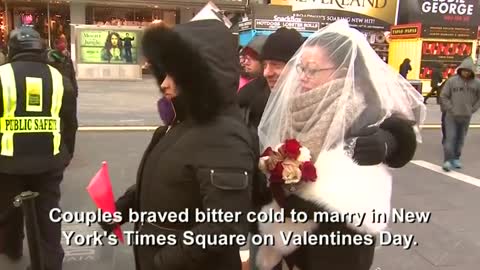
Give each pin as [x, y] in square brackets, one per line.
[205, 161]
[33, 152]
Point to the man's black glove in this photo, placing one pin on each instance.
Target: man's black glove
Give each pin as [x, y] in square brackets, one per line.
[373, 146]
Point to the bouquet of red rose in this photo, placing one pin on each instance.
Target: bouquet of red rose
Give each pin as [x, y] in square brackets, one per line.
[286, 166]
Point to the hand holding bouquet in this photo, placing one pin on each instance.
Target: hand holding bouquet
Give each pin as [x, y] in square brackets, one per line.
[287, 164]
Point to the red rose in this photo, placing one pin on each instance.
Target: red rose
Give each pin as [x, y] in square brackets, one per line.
[292, 148]
[276, 174]
[309, 172]
[267, 152]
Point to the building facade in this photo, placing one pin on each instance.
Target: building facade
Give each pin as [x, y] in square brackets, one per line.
[56, 18]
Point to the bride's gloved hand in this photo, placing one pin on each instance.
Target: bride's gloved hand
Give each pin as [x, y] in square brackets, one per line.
[373, 146]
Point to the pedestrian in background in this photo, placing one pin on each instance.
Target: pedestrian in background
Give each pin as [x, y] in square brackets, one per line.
[61, 59]
[436, 82]
[251, 71]
[405, 67]
[460, 99]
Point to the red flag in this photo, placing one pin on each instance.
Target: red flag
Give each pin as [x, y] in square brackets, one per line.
[100, 190]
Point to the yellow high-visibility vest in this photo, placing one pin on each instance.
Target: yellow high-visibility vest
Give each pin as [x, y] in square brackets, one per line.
[11, 125]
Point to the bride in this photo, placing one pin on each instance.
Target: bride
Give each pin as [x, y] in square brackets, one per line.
[332, 88]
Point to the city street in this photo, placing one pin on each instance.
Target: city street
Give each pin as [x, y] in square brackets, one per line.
[127, 103]
[449, 241]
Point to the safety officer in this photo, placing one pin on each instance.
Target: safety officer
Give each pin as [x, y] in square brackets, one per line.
[38, 124]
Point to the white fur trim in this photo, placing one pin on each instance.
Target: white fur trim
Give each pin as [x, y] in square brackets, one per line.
[275, 229]
[269, 256]
[345, 187]
[342, 186]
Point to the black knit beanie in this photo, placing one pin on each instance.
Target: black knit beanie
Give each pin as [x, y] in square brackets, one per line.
[282, 45]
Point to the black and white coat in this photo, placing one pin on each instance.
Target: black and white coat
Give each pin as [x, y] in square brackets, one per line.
[342, 186]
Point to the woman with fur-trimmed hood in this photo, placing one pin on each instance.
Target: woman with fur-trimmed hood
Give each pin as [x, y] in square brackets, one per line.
[203, 158]
[333, 87]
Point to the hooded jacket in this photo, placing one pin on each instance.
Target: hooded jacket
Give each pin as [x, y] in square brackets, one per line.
[205, 161]
[460, 96]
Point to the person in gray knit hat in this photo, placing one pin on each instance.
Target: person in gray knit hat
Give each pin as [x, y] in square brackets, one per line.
[251, 64]
[251, 79]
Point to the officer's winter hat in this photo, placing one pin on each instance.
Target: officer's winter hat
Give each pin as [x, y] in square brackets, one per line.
[282, 45]
[24, 39]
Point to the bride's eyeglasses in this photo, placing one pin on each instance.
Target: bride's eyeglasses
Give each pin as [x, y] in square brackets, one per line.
[310, 72]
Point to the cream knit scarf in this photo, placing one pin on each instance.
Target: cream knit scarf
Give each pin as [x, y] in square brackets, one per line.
[319, 118]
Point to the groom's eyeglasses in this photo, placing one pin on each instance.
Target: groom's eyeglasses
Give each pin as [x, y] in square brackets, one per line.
[310, 72]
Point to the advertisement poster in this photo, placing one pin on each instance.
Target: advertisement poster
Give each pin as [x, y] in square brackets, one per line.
[450, 54]
[288, 22]
[108, 46]
[271, 18]
[449, 32]
[369, 15]
[452, 19]
[443, 13]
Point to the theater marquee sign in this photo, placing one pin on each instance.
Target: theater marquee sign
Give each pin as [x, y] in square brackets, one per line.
[365, 14]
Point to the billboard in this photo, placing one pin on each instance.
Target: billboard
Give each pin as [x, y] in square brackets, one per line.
[450, 54]
[449, 32]
[442, 13]
[105, 46]
[363, 14]
[445, 19]
[271, 17]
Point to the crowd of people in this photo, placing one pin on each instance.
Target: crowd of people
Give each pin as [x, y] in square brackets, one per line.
[208, 153]
[288, 122]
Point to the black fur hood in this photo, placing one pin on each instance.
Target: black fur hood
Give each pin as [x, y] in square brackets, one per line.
[202, 58]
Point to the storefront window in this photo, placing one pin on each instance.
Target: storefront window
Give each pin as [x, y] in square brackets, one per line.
[59, 22]
[128, 16]
[3, 28]
[50, 20]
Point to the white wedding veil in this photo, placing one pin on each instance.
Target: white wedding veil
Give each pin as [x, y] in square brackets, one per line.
[334, 86]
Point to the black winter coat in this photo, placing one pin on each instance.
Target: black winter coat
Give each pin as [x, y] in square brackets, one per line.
[253, 97]
[205, 161]
[193, 167]
[437, 78]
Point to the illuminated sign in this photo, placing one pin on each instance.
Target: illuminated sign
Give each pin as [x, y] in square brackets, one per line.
[108, 46]
[439, 50]
[406, 31]
[462, 13]
[450, 54]
[367, 14]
